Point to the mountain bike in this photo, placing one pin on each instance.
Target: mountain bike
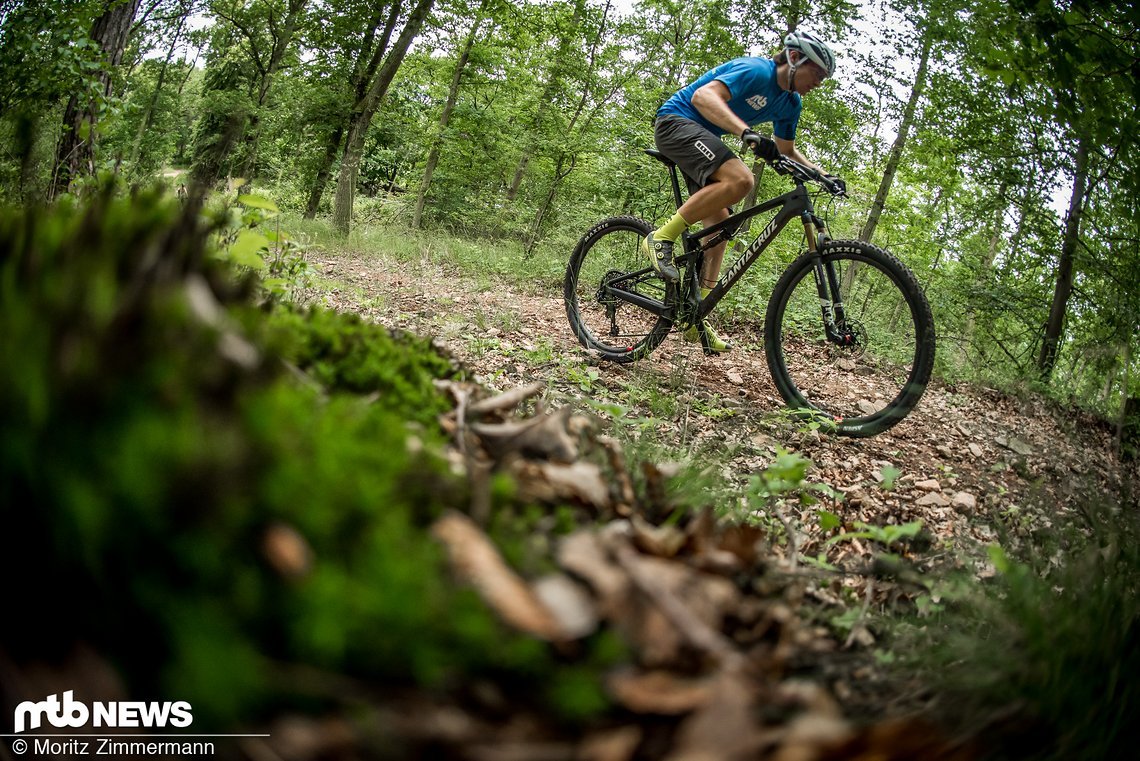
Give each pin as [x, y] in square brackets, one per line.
[848, 332]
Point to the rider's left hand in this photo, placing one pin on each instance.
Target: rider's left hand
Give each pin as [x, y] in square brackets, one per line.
[838, 183]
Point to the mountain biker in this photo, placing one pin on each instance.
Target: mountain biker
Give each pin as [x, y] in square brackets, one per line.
[733, 97]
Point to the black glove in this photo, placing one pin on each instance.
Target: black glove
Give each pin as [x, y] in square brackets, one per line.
[837, 183]
[761, 145]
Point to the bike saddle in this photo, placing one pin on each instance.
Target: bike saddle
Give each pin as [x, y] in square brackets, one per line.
[660, 157]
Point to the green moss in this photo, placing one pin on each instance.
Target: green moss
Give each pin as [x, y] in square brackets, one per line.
[141, 466]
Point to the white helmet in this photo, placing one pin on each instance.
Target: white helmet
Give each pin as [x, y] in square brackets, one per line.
[814, 48]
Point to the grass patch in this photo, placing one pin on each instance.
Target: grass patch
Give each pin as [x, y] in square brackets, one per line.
[1044, 659]
[489, 263]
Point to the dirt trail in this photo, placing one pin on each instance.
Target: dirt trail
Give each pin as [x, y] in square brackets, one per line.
[971, 462]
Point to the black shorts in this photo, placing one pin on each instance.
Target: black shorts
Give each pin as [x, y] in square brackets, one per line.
[698, 152]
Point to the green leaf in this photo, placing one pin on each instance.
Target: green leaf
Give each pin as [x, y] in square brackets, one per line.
[998, 558]
[258, 202]
[828, 521]
[890, 475]
[910, 530]
[276, 285]
[246, 249]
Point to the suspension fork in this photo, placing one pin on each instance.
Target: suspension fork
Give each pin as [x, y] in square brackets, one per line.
[827, 283]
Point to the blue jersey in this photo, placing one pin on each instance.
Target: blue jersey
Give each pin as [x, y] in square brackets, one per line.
[756, 97]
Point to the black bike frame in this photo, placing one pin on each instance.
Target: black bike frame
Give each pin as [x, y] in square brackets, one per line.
[795, 203]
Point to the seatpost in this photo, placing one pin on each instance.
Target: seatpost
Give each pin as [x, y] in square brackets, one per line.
[676, 186]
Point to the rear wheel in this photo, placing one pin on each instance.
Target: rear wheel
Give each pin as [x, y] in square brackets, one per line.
[872, 369]
[606, 270]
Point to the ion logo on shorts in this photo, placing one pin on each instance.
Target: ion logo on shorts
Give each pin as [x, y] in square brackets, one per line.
[705, 150]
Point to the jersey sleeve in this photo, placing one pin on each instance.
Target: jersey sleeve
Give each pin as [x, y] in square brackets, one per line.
[738, 77]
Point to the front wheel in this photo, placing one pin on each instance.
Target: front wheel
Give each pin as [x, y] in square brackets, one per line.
[615, 302]
[849, 338]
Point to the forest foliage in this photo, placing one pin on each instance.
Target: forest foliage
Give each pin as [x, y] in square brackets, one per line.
[988, 144]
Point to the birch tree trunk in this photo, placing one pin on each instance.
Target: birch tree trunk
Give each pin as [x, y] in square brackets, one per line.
[895, 157]
[445, 116]
[361, 117]
[1054, 326]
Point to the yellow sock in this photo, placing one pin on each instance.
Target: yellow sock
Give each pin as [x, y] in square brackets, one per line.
[672, 229]
[705, 291]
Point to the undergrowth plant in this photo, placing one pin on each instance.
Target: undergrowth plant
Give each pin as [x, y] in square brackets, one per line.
[219, 494]
[1043, 659]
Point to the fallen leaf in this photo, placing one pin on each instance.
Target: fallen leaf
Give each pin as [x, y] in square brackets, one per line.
[658, 691]
[584, 555]
[544, 436]
[662, 541]
[553, 483]
[478, 562]
[724, 728]
[617, 744]
[569, 603]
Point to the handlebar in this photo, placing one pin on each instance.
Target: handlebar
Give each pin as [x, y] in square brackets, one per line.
[801, 173]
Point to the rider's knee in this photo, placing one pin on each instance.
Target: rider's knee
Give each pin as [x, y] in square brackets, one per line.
[747, 182]
[741, 184]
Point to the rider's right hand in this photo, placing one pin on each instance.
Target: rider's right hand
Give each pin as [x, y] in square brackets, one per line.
[836, 185]
[762, 145]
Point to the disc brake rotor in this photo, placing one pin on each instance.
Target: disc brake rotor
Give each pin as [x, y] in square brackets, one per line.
[853, 338]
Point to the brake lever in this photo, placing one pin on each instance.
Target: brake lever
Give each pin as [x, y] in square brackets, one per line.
[781, 166]
[831, 187]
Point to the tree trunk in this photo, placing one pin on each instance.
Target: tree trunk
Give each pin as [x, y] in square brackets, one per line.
[561, 56]
[536, 227]
[900, 140]
[148, 115]
[361, 118]
[1022, 219]
[75, 152]
[324, 171]
[520, 172]
[1054, 326]
[445, 117]
[793, 16]
[749, 201]
[281, 41]
[26, 134]
[987, 262]
[363, 70]
[559, 175]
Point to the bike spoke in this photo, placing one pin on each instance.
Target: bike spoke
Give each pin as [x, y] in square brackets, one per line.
[863, 367]
[611, 267]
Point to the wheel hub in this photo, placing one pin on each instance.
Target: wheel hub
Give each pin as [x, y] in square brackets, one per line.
[853, 338]
[604, 296]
